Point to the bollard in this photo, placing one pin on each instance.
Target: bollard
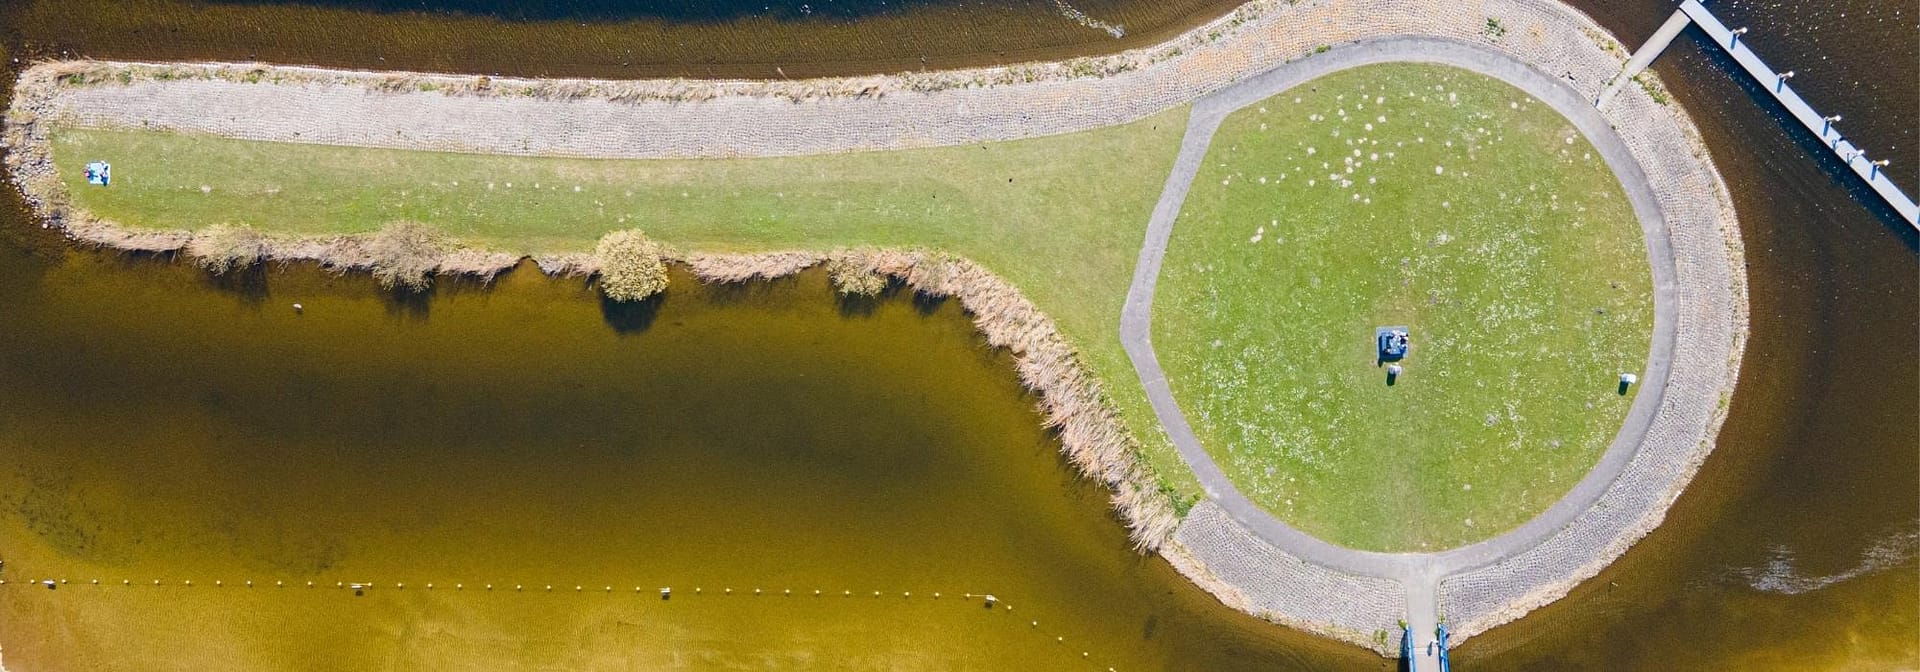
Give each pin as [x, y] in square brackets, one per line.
[1828, 125]
[1733, 39]
[1781, 83]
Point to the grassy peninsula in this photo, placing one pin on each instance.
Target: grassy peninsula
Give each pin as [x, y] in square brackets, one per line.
[1061, 217]
[1404, 195]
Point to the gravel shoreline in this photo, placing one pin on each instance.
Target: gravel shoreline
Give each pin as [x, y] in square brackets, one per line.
[681, 118]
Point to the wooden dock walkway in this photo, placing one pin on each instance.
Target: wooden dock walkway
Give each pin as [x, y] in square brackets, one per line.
[1734, 42]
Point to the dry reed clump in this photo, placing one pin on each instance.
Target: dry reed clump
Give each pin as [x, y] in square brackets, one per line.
[1075, 405]
[632, 266]
[744, 267]
[853, 279]
[224, 247]
[567, 265]
[404, 255]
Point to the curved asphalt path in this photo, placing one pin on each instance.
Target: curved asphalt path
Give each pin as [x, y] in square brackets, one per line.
[1419, 572]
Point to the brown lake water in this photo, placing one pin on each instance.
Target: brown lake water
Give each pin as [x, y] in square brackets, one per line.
[159, 424]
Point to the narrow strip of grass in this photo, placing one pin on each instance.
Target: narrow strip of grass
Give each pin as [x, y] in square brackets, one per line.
[1061, 217]
[1404, 195]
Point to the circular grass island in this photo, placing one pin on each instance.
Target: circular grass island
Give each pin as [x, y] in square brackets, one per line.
[1418, 196]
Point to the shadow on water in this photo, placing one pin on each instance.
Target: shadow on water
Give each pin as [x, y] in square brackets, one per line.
[409, 304]
[928, 304]
[631, 317]
[248, 284]
[852, 306]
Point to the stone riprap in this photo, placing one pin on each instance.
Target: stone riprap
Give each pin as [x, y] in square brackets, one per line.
[1251, 575]
[1252, 564]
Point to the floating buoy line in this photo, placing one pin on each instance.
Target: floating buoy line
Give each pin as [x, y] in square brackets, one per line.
[987, 601]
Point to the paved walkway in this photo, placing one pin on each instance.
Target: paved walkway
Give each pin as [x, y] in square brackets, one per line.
[1419, 572]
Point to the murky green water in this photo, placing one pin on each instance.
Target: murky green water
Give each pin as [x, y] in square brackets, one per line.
[156, 424]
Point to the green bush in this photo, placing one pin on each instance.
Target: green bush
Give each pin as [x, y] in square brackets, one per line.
[632, 266]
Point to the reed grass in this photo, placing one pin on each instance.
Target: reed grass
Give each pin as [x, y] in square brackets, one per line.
[1018, 207]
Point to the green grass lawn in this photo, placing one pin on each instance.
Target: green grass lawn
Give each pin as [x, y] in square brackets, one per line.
[1062, 217]
[1414, 195]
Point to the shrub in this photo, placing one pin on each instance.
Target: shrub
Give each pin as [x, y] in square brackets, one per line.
[224, 247]
[854, 279]
[403, 255]
[631, 265]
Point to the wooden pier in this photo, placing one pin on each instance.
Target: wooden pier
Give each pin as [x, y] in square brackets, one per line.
[1734, 42]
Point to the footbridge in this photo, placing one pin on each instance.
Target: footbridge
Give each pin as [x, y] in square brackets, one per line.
[1776, 83]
